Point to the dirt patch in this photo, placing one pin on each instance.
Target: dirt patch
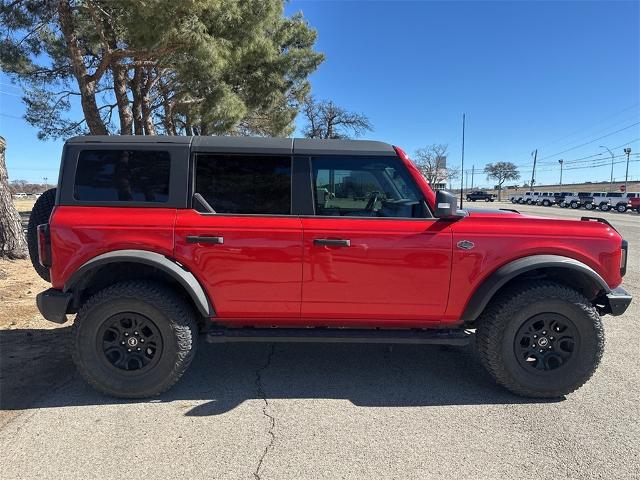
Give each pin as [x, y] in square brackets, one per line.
[19, 285]
[34, 353]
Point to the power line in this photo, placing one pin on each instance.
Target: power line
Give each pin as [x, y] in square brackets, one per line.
[591, 141]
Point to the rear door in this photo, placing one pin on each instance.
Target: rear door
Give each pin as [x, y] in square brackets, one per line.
[248, 254]
[372, 251]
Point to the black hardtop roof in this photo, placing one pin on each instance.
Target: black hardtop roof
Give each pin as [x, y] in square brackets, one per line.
[272, 145]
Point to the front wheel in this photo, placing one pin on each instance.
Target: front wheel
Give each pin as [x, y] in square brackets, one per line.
[134, 339]
[622, 208]
[575, 205]
[544, 340]
[604, 207]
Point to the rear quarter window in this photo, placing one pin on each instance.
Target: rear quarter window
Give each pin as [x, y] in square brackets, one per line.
[122, 176]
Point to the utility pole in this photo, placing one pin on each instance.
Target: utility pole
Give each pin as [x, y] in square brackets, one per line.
[473, 168]
[626, 174]
[462, 163]
[533, 172]
[612, 156]
[561, 161]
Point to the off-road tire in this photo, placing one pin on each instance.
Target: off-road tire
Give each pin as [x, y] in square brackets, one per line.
[622, 208]
[604, 207]
[40, 214]
[589, 206]
[574, 205]
[501, 320]
[173, 317]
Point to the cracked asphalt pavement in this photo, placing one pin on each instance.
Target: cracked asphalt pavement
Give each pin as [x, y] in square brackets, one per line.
[293, 411]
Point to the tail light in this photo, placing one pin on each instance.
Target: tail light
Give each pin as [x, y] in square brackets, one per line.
[44, 245]
[623, 257]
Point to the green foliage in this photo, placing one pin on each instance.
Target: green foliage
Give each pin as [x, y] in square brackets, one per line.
[192, 66]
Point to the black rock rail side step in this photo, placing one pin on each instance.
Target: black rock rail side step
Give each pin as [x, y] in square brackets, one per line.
[339, 335]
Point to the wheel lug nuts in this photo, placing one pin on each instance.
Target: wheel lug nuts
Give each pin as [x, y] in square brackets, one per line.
[128, 350]
[551, 338]
[535, 336]
[541, 351]
[126, 334]
[544, 333]
[142, 340]
[135, 333]
[139, 348]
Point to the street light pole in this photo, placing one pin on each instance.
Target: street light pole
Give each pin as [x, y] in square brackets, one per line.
[611, 182]
[561, 161]
[626, 174]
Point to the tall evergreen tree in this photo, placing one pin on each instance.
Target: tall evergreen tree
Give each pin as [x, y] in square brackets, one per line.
[161, 66]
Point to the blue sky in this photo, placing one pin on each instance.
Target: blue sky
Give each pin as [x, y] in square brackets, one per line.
[562, 77]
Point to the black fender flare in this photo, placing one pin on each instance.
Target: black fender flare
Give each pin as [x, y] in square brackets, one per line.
[490, 286]
[183, 276]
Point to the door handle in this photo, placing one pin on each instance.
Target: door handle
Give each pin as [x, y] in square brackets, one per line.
[332, 242]
[205, 239]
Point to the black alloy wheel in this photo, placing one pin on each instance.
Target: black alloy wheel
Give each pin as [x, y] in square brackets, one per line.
[546, 342]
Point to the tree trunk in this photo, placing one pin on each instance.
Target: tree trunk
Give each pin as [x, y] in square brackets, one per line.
[147, 113]
[120, 90]
[12, 241]
[86, 85]
[136, 90]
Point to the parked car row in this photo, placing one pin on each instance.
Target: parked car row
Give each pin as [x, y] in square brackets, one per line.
[26, 195]
[618, 201]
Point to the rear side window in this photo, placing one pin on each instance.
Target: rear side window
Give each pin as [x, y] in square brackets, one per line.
[245, 184]
[122, 176]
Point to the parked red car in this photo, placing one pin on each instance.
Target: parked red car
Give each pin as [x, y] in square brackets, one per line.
[635, 204]
[153, 239]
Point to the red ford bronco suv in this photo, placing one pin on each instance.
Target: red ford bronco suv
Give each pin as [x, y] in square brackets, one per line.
[151, 240]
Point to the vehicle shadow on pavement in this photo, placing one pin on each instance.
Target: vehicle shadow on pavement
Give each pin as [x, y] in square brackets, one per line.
[35, 363]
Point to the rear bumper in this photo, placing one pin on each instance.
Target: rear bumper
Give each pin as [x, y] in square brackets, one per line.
[619, 300]
[53, 305]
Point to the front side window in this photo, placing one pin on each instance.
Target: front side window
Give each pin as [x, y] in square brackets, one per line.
[245, 184]
[365, 187]
[122, 176]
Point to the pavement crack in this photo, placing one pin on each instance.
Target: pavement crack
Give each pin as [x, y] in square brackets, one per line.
[265, 411]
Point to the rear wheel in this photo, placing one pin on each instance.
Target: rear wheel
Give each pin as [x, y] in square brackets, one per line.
[588, 206]
[40, 214]
[134, 339]
[529, 201]
[544, 340]
[604, 207]
[622, 208]
[575, 205]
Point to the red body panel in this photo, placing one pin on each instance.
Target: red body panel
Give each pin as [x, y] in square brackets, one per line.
[80, 233]
[502, 237]
[255, 274]
[394, 270]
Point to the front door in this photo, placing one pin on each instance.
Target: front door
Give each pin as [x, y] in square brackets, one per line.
[373, 250]
[247, 255]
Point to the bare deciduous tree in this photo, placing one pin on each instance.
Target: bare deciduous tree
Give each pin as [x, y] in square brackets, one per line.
[325, 119]
[432, 163]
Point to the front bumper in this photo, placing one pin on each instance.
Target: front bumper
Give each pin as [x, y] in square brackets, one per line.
[53, 304]
[618, 300]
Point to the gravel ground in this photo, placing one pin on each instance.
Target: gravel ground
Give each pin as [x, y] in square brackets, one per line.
[333, 411]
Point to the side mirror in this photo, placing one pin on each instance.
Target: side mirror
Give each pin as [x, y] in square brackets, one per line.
[446, 205]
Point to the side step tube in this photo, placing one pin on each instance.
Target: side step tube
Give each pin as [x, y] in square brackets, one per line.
[338, 335]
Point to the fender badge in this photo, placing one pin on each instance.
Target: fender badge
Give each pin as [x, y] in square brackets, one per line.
[465, 244]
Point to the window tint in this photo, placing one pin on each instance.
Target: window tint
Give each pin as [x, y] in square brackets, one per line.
[122, 176]
[365, 187]
[245, 184]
